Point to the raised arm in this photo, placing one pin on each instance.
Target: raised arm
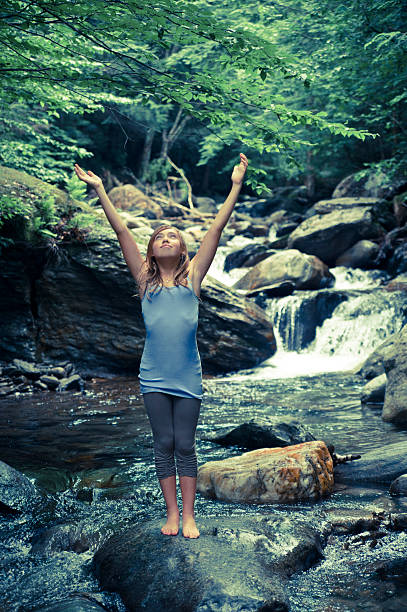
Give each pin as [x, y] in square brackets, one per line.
[204, 257]
[131, 252]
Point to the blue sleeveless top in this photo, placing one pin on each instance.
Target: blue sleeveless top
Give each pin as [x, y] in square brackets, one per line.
[170, 362]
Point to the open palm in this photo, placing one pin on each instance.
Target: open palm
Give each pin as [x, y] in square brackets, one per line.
[90, 178]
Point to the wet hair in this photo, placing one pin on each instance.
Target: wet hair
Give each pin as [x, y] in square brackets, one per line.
[152, 276]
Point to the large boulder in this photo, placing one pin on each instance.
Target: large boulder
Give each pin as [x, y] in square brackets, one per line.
[307, 272]
[237, 563]
[247, 256]
[372, 185]
[395, 365]
[393, 251]
[329, 235]
[87, 310]
[232, 331]
[18, 332]
[78, 300]
[323, 207]
[270, 475]
[360, 255]
[373, 365]
[129, 197]
[399, 486]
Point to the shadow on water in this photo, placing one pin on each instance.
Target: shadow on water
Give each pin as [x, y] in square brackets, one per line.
[92, 452]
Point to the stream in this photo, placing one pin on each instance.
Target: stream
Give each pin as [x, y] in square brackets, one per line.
[92, 450]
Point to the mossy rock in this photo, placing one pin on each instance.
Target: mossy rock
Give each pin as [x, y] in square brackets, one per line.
[24, 184]
[89, 223]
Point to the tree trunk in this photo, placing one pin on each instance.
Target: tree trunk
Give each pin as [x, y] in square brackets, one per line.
[168, 138]
[145, 158]
[205, 179]
[310, 176]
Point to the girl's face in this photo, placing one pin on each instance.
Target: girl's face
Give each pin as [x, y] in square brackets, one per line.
[167, 243]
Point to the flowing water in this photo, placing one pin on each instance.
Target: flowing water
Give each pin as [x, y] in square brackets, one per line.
[92, 451]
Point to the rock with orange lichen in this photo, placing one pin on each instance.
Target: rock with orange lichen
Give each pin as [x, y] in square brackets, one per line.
[270, 475]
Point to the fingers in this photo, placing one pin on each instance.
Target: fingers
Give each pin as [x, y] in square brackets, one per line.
[244, 160]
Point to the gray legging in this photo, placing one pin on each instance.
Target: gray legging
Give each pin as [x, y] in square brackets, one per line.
[173, 421]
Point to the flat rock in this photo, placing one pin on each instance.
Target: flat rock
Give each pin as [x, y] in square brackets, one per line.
[237, 563]
[380, 465]
[72, 382]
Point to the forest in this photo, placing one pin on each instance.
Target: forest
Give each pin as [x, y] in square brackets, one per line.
[310, 90]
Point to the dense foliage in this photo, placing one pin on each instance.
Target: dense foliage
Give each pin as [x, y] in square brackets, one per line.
[128, 82]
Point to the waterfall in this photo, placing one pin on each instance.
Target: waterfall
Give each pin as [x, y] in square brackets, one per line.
[328, 330]
[217, 266]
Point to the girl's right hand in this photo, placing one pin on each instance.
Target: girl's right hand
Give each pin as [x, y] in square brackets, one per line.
[90, 178]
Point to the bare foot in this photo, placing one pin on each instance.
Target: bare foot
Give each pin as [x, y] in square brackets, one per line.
[189, 528]
[171, 527]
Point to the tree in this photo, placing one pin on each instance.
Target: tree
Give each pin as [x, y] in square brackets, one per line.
[74, 56]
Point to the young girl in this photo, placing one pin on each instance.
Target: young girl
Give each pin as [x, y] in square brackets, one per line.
[170, 368]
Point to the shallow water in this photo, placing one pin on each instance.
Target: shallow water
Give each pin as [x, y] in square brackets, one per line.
[93, 453]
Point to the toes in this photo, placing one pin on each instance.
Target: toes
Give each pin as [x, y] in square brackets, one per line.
[190, 534]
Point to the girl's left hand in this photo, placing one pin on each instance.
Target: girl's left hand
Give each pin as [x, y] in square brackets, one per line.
[240, 170]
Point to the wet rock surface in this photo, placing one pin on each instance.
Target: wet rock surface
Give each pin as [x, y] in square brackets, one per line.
[260, 434]
[21, 376]
[373, 365]
[380, 465]
[77, 537]
[399, 486]
[237, 563]
[395, 365]
[373, 392]
[17, 493]
[329, 235]
[360, 255]
[305, 271]
[77, 603]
